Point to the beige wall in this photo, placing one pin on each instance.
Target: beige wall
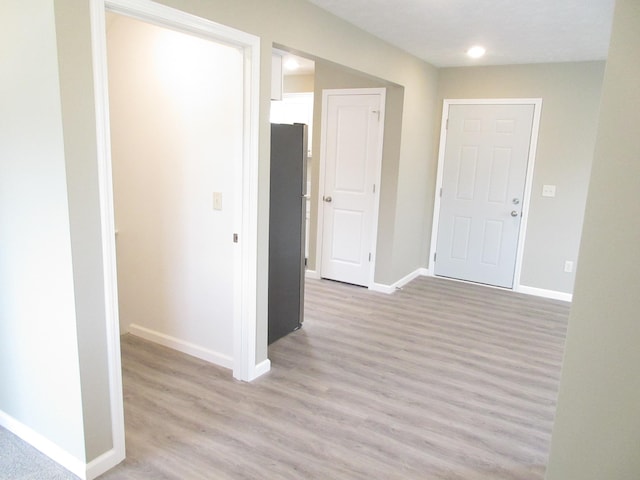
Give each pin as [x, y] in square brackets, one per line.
[570, 95]
[597, 431]
[82, 183]
[40, 378]
[331, 76]
[298, 83]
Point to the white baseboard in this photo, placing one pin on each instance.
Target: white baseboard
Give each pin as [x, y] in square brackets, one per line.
[261, 368]
[182, 346]
[104, 462]
[46, 446]
[541, 292]
[426, 272]
[312, 274]
[380, 287]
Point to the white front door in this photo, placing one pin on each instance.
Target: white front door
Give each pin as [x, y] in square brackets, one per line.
[483, 182]
[352, 150]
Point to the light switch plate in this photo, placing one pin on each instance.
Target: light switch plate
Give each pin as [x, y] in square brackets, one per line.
[217, 200]
[548, 190]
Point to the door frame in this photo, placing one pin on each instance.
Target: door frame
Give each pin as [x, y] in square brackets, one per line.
[528, 184]
[377, 174]
[246, 222]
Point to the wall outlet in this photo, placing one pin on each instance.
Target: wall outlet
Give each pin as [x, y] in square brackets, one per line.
[548, 190]
[568, 266]
[217, 200]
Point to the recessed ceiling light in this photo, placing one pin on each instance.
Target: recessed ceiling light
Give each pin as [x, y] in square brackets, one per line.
[291, 64]
[476, 52]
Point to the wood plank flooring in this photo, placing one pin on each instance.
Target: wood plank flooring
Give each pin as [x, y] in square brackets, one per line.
[442, 380]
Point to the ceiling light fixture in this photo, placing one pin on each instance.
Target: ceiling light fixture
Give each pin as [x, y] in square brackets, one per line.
[476, 51]
[291, 64]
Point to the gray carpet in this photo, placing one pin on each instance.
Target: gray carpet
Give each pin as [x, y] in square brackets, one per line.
[20, 461]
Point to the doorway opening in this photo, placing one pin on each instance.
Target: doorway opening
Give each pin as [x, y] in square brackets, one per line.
[302, 86]
[176, 143]
[241, 197]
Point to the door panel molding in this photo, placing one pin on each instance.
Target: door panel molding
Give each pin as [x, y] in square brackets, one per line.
[377, 175]
[526, 200]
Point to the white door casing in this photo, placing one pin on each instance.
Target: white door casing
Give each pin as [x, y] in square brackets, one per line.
[487, 153]
[351, 158]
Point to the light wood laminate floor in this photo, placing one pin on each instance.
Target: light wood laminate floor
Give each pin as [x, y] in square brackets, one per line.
[442, 380]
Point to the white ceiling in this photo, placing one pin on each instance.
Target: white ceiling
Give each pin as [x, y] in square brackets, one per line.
[512, 31]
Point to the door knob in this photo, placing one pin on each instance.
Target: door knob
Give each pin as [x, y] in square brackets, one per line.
[514, 213]
[516, 201]
[327, 199]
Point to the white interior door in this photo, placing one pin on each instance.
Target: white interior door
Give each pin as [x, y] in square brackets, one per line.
[352, 129]
[483, 182]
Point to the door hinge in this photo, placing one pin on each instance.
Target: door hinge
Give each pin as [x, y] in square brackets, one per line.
[434, 256]
[446, 125]
[369, 256]
[235, 238]
[377, 112]
[441, 192]
[374, 188]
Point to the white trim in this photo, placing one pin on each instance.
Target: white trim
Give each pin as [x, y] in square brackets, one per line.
[526, 201]
[244, 333]
[541, 292]
[46, 446]
[420, 272]
[312, 274]
[426, 272]
[378, 175]
[105, 186]
[382, 288]
[164, 16]
[181, 345]
[263, 367]
[101, 464]
[408, 278]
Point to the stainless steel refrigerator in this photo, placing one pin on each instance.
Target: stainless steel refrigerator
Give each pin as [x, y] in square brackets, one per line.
[287, 213]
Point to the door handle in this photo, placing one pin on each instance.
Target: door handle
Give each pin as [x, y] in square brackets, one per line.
[327, 199]
[514, 213]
